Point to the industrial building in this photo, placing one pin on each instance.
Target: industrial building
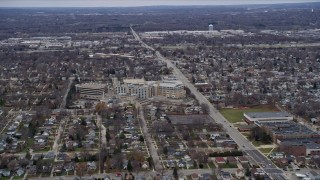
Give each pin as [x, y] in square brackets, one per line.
[93, 91]
[252, 117]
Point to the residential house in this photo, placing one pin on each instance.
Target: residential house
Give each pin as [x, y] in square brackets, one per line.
[225, 175]
[20, 171]
[181, 163]
[92, 165]
[206, 176]
[145, 165]
[68, 167]
[5, 172]
[243, 160]
[240, 173]
[49, 155]
[170, 164]
[195, 176]
[57, 168]
[220, 161]
[232, 160]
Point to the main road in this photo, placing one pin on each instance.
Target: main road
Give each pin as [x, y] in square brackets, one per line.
[243, 142]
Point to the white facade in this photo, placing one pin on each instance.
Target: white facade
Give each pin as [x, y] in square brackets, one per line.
[147, 89]
[252, 117]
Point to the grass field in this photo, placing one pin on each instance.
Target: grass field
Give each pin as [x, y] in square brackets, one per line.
[259, 143]
[236, 115]
[265, 150]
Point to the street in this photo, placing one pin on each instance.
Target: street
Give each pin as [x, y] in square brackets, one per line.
[152, 149]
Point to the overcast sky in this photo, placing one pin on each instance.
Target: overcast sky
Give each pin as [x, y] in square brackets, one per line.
[124, 3]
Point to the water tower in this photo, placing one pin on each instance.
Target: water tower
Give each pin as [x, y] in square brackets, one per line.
[210, 27]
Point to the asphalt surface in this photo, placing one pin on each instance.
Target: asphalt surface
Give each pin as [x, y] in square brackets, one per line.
[243, 142]
[147, 136]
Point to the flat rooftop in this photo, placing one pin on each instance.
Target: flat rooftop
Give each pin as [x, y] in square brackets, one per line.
[134, 81]
[288, 127]
[268, 114]
[305, 142]
[171, 84]
[92, 85]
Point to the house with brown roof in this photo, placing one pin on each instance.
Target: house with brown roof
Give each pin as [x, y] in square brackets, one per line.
[243, 160]
[195, 176]
[232, 160]
[220, 161]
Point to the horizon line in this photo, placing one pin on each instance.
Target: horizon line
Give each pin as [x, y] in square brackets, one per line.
[164, 5]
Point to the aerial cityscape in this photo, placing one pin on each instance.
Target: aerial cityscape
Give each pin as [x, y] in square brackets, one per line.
[160, 91]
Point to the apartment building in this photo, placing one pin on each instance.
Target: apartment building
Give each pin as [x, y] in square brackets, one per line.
[147, 89]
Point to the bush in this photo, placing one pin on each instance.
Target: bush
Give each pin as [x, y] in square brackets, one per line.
[225, 154]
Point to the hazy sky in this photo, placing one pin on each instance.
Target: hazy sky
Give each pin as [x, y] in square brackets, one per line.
[123, 3]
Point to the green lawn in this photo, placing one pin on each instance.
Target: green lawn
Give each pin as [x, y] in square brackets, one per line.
[229, 166]
[211, 165]
[236, 115]
[259, 143]
[18, 177]
[29, 144]
[265, 150]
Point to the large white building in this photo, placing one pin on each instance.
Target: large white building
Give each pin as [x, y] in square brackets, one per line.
[171, 89]
[94, 91]
[147, 89]
[251, 117]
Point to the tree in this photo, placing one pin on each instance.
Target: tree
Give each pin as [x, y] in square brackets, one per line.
[28, 155]
[23, 162]
[76, 159]
[129, 166]
[8, 140]
[12, 165]
[150, 161]
[41, 164]
[165, 150]
[175, 173]
[247, 173]
[64, 147]
[2, 102]
[205, 108]
[80, 169]
[100, 107]
[108, 137]
[141, 139]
